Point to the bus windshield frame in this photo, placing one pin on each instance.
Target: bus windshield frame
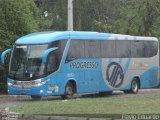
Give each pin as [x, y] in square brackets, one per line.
[26, 61]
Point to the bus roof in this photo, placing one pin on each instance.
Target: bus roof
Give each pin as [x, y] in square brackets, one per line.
[47, 37]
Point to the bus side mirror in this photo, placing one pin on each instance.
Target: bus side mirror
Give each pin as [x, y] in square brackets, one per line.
[46, 53]
[3, 55]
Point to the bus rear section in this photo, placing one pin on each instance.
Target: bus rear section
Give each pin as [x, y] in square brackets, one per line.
[139, 63]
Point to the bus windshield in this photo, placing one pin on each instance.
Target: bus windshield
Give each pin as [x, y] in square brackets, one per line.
[26, 61]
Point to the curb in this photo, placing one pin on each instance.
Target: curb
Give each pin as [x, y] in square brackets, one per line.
[13, 116]
[6, 115]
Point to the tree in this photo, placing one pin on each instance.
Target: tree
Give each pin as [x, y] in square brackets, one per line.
[95, 15]
[56, 18]
[140, 17]
[89, 15]
[135, 17]
[17, 18]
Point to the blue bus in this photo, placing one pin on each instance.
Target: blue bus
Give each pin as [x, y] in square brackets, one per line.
[77, 62]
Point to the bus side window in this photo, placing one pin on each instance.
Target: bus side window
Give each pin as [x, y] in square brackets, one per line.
[76, 50]
[108, 49]
[137, 49]
[150, 48]
[123, 48]
[52, 62]
[92, 49]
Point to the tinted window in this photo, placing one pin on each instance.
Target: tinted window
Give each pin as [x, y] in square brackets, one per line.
[92, 49]
[144, 48]
[54, 58]
[52, 62]
[123, 48]
[84, 49]
[137, 49]
[151, 48]
[76, 49]
[60, 44]
[112, 49]
[108, 49]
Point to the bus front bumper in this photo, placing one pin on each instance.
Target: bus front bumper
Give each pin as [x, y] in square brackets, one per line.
[43, 90]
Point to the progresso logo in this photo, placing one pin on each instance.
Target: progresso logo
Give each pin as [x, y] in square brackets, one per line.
[114, 75]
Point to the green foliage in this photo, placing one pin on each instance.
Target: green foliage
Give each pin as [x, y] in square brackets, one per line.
[89, 15]
[140, 17]
[17, 18]
[95, 15]
[57, 15]
[135, 17]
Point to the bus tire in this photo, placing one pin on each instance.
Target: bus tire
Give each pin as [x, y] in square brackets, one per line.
[127, 91]
[69, 91]
[134, 86]
[103, 94]
[36, 97]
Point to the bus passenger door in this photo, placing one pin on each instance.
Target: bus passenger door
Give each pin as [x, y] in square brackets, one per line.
[93, 55]
[92, 81]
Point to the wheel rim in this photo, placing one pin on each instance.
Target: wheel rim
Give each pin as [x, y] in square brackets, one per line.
[134, 86]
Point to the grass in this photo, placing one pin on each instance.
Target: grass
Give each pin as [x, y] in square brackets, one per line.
[98, 106]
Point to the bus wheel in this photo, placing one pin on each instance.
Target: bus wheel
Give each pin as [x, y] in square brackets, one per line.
[134, 86]
[69, 91]
[127, 91]
[36, 97]
[103, 94]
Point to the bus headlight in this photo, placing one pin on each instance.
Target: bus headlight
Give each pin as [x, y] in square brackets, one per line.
[37, 84]
[9, 84]
[41, 91]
